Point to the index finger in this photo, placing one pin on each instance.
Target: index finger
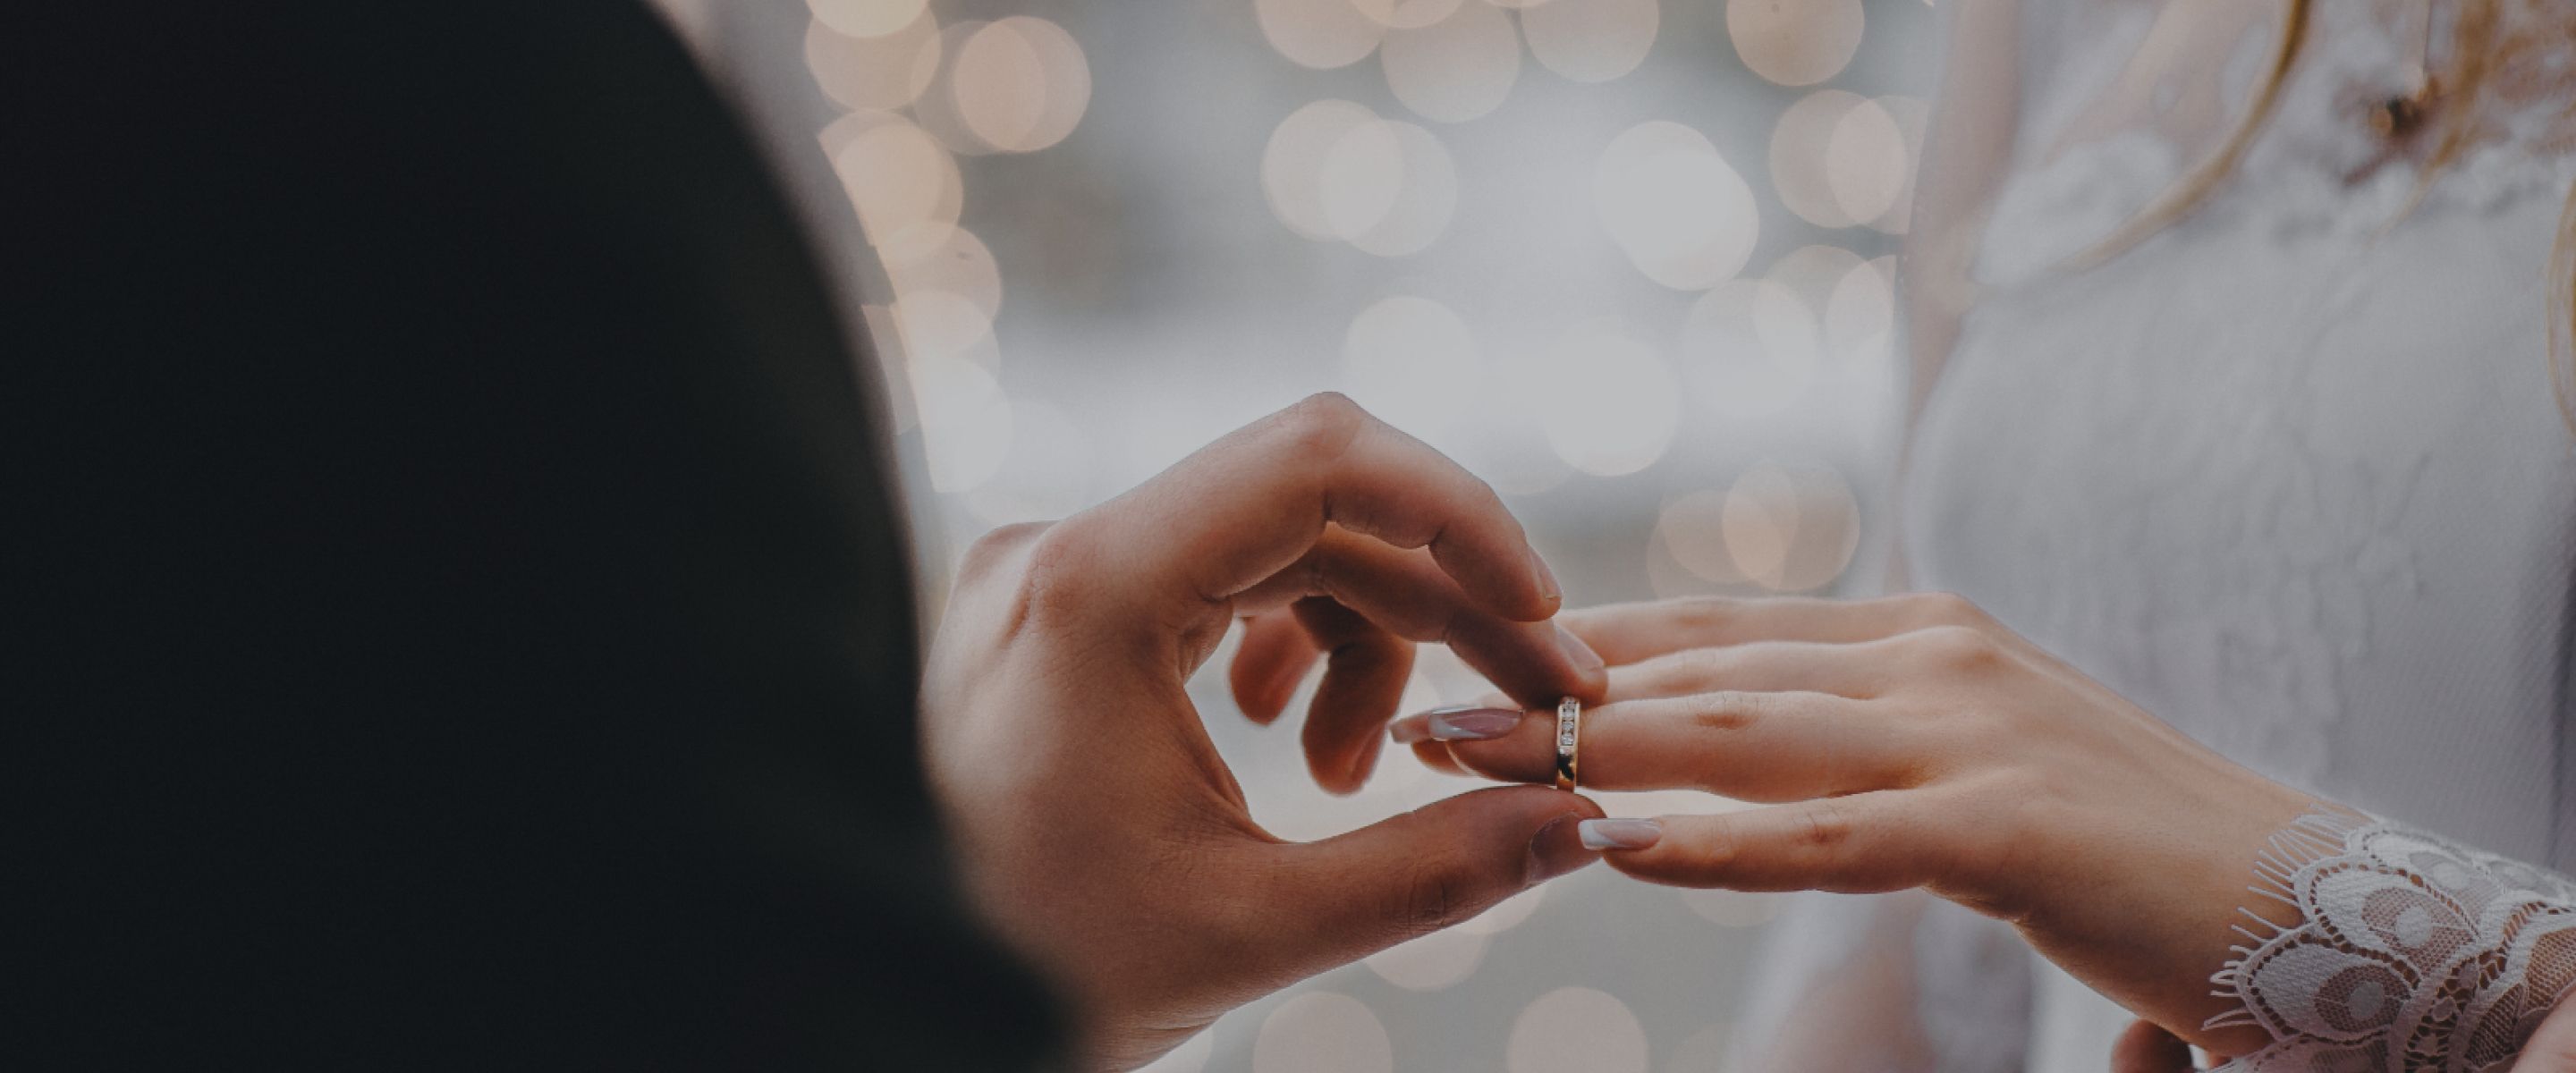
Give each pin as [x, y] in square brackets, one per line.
[1250, 504]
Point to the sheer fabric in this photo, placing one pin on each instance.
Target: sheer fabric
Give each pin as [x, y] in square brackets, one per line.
[2289, 473]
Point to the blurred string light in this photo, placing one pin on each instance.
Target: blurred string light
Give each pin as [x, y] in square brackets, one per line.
[1778, 527]
[1322, 34]
[1682, 215]
[1013, 85]
[866, 18]
[1321, 1031]
[883, 72]
[1590, 40]
[1576, 1028]
[1839, 159]
[1795, 42]
[1336, 171]
[1458, 68]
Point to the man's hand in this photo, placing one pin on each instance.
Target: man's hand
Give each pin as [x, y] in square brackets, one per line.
[1098, 826]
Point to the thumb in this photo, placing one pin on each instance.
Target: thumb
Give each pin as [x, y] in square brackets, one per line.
[2145, 1048]
[1417, 873]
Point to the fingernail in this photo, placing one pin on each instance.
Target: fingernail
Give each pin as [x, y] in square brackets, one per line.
[1470, 723]
[1545, 577]
[1620, 834]
[1557, 849]
[1585, 659]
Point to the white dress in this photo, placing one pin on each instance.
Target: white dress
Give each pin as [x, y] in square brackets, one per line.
[2289, 474]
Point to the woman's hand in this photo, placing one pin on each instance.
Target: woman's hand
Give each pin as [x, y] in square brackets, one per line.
[1098, 826]
[1919, 744]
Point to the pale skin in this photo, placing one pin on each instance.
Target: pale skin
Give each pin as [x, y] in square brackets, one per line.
[1097, 827]
[1912, 742]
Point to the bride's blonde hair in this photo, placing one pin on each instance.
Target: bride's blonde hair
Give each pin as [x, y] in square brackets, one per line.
[2479, 48]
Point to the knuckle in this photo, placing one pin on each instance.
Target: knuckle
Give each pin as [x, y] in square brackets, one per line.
[995, 549]
[1960, 648]
[1730, 711]
[1823, 827]
[1433, 897]
[1937, 608]
[1054, 560]
[1322, 425]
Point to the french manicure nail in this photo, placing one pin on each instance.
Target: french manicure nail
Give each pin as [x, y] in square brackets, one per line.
[1469, 723]
[1585, 659]
[1620, 834]
[1556, 849]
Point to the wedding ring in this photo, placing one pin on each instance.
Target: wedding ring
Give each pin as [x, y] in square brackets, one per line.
[1569, 738]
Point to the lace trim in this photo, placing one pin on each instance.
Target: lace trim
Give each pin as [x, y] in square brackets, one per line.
[2411, 952]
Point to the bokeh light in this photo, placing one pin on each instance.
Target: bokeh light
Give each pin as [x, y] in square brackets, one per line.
[1322, 1032]
[1407, 14]
[1335, 171]
[1321, 34]
[1576, 1030]
[883, 73]
[1021, 84]
[1801, 156]
[1591, 40]
[866, 18]
[1458, 68]
[1432, 962]
[896, 174]
[1791, 530]
[933, 256]
[1683, 217]
[1795, 42]
[1866, 161]
[1293, 163]
[1692, 529]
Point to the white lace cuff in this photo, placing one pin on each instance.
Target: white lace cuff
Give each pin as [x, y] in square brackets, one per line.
[2412, 952]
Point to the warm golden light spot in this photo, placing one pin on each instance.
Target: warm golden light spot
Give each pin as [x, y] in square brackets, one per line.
[1407, 14]
[1866, 162]
[1431, 962]
[1576, 1030]
[1321, 34]
[882, 73]
[1322, 1032]
[1591, 40]
[1692, 530]
[1912, 115]
[1292, 164]
[1795, 42]
[896, 174]
[866, 18]
[1426, 196]
[1456, 69]
[1801, 147]
[943, 257]
[1682, 216]
[1791, 530]
[1020, 84]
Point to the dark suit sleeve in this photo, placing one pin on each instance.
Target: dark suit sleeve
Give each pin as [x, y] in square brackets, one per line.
[462, 622]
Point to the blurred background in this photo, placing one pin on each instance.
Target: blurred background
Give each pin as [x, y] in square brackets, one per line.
[1629, 260]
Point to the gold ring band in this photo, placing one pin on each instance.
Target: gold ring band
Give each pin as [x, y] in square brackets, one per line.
[1569, 739]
